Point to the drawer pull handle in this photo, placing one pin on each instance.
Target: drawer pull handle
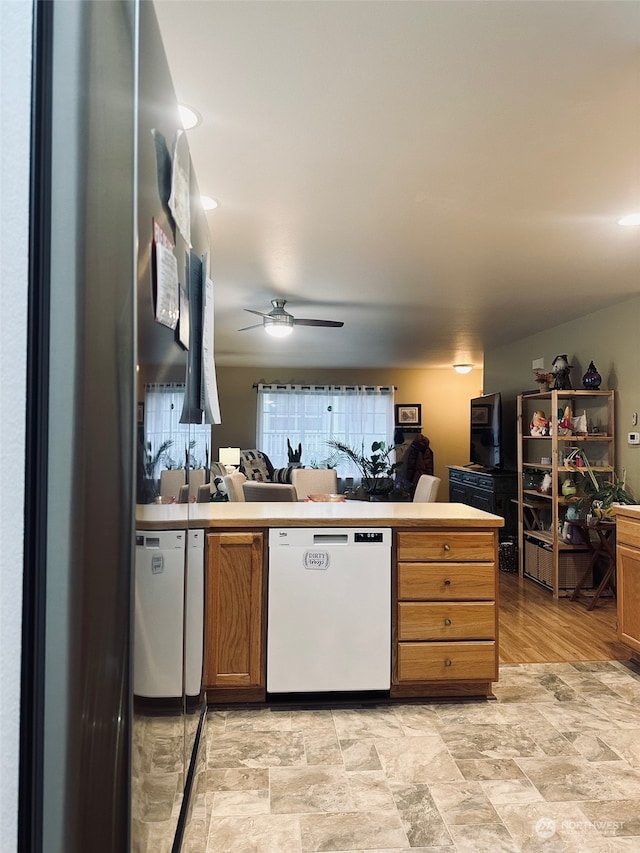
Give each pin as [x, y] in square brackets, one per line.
[447, 662]
[446, 547]
[447, 621]
[447, 582]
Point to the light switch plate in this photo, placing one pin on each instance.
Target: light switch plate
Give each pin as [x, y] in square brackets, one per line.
[633, 438]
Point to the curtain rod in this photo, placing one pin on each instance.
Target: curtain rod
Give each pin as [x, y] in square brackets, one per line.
[321, 387]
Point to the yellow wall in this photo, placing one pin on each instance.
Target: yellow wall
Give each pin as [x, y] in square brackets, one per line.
[443, 394]
[611, 338]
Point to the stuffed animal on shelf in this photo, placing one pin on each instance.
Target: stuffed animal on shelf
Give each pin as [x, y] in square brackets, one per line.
[539, 424]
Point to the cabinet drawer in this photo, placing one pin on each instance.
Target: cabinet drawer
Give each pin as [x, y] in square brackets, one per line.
[446, 581]
[628, 532]
[441, 545]
[448, 661]
[420, 620]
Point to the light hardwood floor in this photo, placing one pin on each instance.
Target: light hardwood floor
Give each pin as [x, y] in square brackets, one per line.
[536, 628]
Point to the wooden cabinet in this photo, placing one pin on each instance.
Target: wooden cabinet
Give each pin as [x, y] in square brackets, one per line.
[628, 582]
[446, 613]
[544, 554]
[491, 491]
[235, 623]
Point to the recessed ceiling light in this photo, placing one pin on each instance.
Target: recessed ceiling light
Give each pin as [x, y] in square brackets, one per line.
[209, 203]
[630, 219]
[189, 117]
[463, 368]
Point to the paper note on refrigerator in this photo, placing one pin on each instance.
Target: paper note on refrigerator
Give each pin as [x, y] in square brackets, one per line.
[209, 401]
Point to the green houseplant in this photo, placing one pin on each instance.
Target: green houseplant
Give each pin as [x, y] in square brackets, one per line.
[150, 462]
[376, 468]
[602, 496]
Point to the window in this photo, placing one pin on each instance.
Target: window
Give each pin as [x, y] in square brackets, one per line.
[163, 407]
[312, 414]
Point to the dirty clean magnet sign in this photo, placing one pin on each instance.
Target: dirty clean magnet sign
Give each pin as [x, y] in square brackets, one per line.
[316, 560]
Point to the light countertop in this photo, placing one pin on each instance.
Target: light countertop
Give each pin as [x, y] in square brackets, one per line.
[632, 512]
[309, 514]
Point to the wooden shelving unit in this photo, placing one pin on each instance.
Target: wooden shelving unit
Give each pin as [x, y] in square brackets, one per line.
[558, 564]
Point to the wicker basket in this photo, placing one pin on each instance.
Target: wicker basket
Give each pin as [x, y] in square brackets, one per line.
[538, 563]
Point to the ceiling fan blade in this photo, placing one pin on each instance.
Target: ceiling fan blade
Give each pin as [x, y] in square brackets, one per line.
[334, 324]
[255, 326]
[259, 313]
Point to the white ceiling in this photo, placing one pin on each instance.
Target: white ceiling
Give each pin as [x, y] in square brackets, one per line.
[444, 177]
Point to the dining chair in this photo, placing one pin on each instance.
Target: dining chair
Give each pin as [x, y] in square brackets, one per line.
[426, 489]
[233, 485]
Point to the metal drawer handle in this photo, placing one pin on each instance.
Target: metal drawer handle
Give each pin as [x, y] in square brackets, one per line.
[447, 662]
[446, 547]
[447, 582]
[447, 621]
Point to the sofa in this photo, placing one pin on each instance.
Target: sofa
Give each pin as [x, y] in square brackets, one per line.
[256, 467]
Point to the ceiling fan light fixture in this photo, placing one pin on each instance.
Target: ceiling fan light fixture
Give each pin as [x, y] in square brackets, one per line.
[278, 330]
[463, 368]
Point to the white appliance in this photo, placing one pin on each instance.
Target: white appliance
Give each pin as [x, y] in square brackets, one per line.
[194, 614]
[159, 613]
[329, 625]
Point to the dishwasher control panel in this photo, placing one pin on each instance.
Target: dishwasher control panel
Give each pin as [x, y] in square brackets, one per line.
[374, 536]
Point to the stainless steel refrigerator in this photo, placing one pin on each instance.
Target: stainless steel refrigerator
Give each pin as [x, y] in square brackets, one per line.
[104, 106]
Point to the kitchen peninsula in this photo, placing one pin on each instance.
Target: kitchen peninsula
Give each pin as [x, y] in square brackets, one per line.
[441, 580]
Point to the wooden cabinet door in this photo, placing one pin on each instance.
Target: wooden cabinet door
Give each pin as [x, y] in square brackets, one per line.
[235, 603]
[628, 596]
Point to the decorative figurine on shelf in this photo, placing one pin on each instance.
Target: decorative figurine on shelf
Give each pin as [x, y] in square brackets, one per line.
[560, 368]
[592, 379]
[569, 489]
[564, 422]
[545, 485]
[539, 425]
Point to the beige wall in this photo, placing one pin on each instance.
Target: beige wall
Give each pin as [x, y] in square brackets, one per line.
[443, 394]
[611, 338]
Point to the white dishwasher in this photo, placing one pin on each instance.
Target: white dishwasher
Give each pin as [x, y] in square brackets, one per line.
[329, 610]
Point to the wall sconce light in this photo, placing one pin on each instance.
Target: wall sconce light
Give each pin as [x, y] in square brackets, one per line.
[229, 457]
[463, 368]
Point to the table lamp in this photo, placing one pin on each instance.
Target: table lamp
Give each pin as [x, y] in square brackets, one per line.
[229, 457]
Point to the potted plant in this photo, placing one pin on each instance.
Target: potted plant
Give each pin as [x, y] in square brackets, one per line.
[544, 380]
[600, 496]
[150, 464]
[610, 494]
[376, 469]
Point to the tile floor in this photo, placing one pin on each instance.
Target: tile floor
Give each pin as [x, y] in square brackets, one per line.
[552, 765]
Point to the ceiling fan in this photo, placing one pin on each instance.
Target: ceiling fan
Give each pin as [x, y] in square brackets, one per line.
[279, 323]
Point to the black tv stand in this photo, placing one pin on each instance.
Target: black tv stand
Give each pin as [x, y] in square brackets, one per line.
[491, 489]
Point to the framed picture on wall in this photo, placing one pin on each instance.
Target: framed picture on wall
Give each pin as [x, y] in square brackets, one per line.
[140, 417]
[479, 415]
[408, 415]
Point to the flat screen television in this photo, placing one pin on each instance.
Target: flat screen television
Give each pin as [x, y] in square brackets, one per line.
[485, 446]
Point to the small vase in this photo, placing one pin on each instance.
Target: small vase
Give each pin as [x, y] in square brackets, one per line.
[592, 379]
[569, 488]
[544, 387]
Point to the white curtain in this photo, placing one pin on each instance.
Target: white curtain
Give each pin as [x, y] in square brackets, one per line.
[310, 415]
[163, 407]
